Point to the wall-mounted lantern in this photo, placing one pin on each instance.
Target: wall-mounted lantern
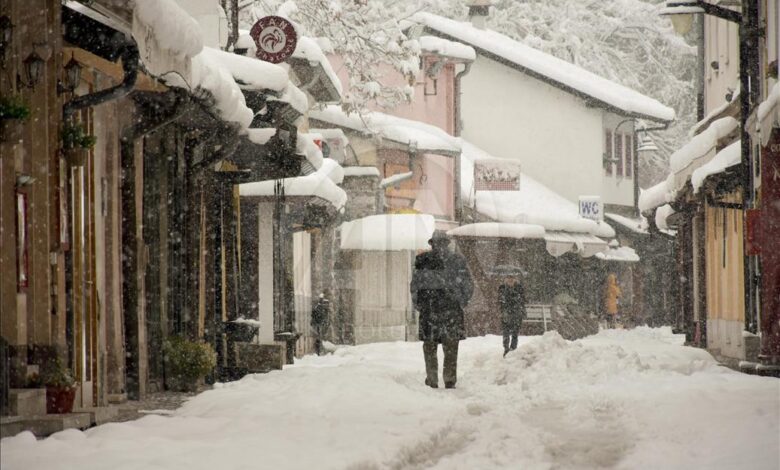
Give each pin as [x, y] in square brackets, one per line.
[33, 69]
[72, 77]
[6, 32]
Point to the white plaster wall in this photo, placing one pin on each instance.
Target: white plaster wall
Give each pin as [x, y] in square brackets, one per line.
[555, 135]
[721, 45]
[265, 272]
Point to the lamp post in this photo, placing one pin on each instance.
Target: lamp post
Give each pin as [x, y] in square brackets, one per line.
[681, 13]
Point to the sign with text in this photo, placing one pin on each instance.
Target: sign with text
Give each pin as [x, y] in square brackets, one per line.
[496, 174]
[275, 38]
[592, 208]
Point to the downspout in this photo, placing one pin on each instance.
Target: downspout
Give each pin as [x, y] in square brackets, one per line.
[458, 129]
[130, 59]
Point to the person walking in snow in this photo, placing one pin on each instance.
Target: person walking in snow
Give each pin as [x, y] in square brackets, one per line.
[612, 295]
[320, 315]
[511, 300]
[441, 288]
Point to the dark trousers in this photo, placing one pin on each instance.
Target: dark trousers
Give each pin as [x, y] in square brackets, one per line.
[430, 352]
[510, 340]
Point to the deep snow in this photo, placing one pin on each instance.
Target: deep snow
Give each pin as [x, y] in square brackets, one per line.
[621, 399]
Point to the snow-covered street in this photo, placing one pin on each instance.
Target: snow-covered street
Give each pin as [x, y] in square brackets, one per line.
[620, 399]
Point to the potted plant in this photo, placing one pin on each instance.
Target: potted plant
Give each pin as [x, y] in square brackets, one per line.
[60, 387]
[187, 363]
[12, 107]
[76, 143]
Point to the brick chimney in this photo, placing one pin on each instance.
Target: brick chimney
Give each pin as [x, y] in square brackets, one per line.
[478, 12]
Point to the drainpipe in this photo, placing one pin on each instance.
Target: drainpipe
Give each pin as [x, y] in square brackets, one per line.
[458, 92]
[130, 59]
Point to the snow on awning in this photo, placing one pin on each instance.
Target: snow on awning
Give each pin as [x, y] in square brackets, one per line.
[388, 232]
[334, 171]
[622, 253]
[533, 204]
[557, 71]
[560, 243]
[250, 74]
[727, 108]
[663, 213]
[655, 196]
[769, 114]
[445, 48]
[424, 137]
[728, 157]
[167, 39]
[309, 51]
[635, 225]
[499, 230]
[228, 98]
[317, 184]
[361, 171]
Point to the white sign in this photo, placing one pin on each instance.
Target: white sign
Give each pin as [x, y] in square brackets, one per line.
[592, 208]
[496, 174]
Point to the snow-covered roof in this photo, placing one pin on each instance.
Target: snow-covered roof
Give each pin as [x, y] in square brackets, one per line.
[293, 96]
[361, 171]
[250, 74]
[446, 48]
[663, 213]
[533, 204]
[732, 107]
[173, 28]
[334, 171]
[260, 136]
[307, 48]
[562, 74]
[306, 146]
[728, 157]
[655, 196]
[638, 225]
[388, 232]
[620, 253]
[426, 137]
[557, 243]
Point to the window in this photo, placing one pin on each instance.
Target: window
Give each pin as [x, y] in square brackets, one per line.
[619, 153]
[608, 153]
[629, 156]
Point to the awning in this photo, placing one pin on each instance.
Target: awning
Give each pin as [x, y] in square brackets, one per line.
[560, 243]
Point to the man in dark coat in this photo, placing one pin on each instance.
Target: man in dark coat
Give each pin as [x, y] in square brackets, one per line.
[511, 299]
[320, 316]
[441, 288]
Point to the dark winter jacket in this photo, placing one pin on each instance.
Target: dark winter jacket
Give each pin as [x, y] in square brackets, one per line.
[441, 287]
[320, 313]
[511, 300]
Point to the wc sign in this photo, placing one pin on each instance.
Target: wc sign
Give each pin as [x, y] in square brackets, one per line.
[592, 208]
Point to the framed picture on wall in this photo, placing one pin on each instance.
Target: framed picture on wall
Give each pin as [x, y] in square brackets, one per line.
[21, 240]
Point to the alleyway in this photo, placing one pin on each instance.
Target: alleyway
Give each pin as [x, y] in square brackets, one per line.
[620, 399]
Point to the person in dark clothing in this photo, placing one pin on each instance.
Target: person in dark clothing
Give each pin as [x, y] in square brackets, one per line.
[441, 288]
[511, 299]
[320, 316]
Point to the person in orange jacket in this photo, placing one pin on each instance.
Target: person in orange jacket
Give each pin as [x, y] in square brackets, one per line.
[611, 295]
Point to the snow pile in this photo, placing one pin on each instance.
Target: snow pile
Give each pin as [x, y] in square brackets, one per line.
[388, 232]
[709, 118]
[294, 97]
[250, 74]
[305, 146]
[403, 131]
[334, 171]
[533, 204]
[663, 213]
[261, 136]
[308, 49]
[655, 196]
[702, 145]
[726, 158]
[565, 73]
[638, 225]
[619, 399]
[172, 27]
[443, 47]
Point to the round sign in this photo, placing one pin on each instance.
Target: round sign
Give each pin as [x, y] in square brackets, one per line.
[275, 38]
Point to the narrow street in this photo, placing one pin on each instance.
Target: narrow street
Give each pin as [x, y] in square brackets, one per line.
[619, 399]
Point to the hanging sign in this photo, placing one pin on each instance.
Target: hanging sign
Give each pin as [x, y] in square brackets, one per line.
[592, 208]
[275, 38]
[496, 174]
